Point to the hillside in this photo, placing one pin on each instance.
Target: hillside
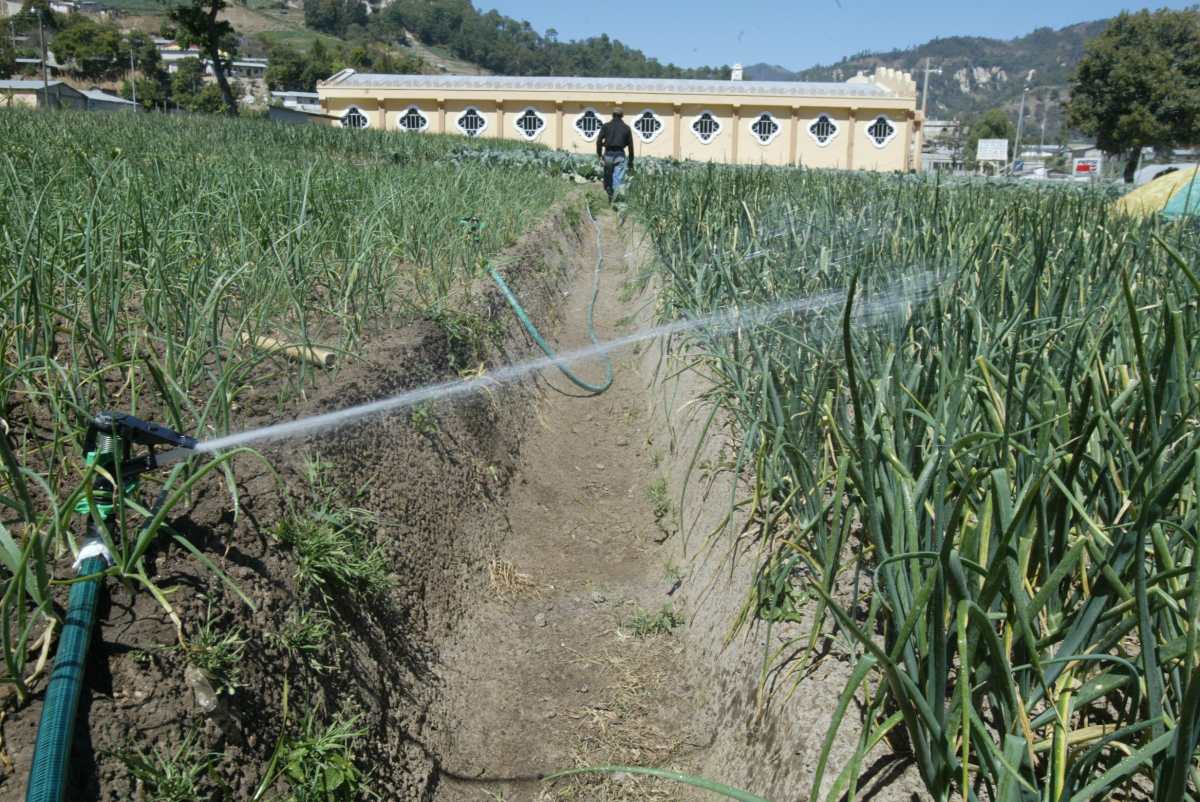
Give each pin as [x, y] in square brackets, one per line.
[977, 73]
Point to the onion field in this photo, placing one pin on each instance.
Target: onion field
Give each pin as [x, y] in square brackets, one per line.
[143, 260]
[1004, 468]
[977, 474]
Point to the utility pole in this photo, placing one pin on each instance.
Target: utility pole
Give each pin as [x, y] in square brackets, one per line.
[1021, 121]
[1020, 126]
[1045, 111]
[45, 74]
[133, 77]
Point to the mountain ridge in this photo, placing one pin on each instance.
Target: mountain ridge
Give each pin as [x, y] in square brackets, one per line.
[977, 72]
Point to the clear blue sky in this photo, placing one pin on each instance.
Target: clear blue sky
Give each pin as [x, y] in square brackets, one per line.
[798, 33]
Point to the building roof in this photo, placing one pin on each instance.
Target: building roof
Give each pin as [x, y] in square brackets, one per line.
[19, 85]
[351, 79]
[96, 94]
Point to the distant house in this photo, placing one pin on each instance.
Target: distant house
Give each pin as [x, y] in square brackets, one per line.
[249, 68]
[32, 65]
[36, 94]
[302, 101]
[171, 59]
[89, 7]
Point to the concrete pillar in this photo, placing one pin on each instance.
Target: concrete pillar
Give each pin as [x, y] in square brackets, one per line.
[676, 127]
[441, 115]
[794, 136]
[909, 122]
[737, 132]
[852, 125]
[500, 134]
[919, 148]
[558, 124]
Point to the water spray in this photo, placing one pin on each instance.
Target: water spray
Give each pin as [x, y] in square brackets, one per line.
[724, 322]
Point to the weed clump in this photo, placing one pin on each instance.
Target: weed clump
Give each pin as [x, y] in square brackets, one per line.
[217, 652]
[646, 623]
[184, 775]
[334, 553]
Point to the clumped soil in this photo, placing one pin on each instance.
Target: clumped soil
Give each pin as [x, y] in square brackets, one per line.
[433, 486]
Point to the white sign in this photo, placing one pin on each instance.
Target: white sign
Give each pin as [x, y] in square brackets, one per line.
[1087, 167]
[992, 150]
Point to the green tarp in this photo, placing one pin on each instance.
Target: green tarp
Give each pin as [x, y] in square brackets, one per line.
[1185, 201]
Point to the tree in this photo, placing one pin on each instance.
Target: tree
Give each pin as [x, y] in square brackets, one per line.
[187, 83]
[95, 48]
[1138, 84]
[197, 24]
[151, 94]
[992, 124]
[146, 57]
[334, 17]
[8, 58]
[285, 69]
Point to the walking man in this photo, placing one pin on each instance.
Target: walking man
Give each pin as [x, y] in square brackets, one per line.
[614, 139]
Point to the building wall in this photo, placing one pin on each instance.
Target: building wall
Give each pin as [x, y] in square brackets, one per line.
[12, 99]
[735, 142]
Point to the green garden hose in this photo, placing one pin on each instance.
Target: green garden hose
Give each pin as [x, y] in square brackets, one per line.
[594, 389]
[47, 777]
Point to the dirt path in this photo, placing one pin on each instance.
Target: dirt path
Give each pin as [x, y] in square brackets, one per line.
[570, 659]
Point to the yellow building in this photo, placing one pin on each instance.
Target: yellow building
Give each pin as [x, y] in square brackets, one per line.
[866, 123]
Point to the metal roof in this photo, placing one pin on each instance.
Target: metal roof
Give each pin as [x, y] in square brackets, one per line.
[352, 79]
[96, 94]
[18, 85]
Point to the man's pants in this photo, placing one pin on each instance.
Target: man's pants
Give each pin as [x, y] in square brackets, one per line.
[614, 172]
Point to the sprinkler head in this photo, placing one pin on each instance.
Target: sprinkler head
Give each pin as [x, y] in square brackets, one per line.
[114, 433]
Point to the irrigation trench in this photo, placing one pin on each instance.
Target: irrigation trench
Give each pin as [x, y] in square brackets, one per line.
[547, 671]
[571, 659]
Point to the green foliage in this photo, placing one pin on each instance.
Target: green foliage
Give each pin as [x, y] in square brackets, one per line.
[334, 17]
[190, 92]
[319, 765]
[151, 94]
[992, 124]
[1139, 83]
[295, 70]
[316, 763]
[334, 551]
[298, 70]
[987, 408]
[184, 775]
[8, 58]
[424, 419]
[198, 23]
[188, 81]
[146, 58]
[660, 500]
[663, 621]
[94, 49]
[511, 47]
[306, 636]
[218, 652]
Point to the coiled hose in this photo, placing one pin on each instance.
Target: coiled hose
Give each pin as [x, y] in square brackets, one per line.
[593, 389]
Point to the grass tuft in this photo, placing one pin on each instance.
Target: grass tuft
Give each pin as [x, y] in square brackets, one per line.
[646, 623]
